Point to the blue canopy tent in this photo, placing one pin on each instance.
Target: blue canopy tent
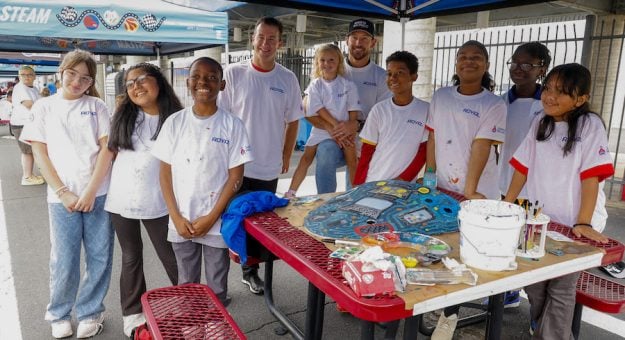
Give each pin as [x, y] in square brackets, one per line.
[111, 27]
[396, 10]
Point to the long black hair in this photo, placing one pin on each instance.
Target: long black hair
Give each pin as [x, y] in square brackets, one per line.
[126, 113]
[487, 80]
[573, 80]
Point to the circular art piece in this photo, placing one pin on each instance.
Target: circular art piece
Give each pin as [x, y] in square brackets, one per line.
[384, 206]
[131, 24]
[91, 22]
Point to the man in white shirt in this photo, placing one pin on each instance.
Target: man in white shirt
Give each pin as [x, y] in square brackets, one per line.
[267, 98]
[370, 80]
[24, 96]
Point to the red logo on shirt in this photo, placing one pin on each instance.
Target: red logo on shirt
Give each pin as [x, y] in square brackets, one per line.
[494, 128]
[601, 151]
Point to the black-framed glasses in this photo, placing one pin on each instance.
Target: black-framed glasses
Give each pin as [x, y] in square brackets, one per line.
[71, 75]
[140, 80]
[524, 67]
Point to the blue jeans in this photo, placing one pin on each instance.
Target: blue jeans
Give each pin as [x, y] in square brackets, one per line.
[68, 232]
[329, 158]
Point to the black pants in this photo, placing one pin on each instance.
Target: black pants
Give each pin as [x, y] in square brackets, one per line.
[132, 281]
[254, 248]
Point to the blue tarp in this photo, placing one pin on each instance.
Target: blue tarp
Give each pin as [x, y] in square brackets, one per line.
[109, 27]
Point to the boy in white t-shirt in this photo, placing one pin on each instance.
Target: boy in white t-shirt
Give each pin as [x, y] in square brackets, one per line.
[393, 138]
[24, 96]
[202, 151]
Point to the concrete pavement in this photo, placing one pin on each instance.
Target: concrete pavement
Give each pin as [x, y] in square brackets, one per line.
[24, 279]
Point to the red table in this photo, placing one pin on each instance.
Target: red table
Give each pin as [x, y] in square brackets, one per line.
[309, 257]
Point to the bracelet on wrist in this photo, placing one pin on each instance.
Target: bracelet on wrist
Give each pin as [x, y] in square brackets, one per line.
[61, 191]
[582, 224]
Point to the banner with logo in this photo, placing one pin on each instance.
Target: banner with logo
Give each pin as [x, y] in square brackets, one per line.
[108, 27]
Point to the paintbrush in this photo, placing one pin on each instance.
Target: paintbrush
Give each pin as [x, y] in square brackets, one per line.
[340, 242]
[538, 212]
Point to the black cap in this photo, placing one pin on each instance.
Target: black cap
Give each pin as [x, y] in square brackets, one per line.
[361, 25]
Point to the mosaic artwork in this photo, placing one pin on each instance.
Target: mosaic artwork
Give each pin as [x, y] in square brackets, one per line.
[384, 206]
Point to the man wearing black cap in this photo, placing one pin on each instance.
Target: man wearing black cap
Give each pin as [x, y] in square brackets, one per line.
[370, 79]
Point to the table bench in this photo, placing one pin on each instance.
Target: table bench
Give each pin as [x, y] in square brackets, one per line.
[189, 311]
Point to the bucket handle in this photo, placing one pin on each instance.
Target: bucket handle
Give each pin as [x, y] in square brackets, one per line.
[484, 251]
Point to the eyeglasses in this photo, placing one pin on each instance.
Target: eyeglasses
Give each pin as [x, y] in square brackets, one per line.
[71, 75]
[524, 67]
[29, 75]
[140, 80]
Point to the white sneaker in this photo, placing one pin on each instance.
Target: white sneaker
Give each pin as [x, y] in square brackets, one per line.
[133, 321]
[62, 329]
[445, 327]
[90, 327]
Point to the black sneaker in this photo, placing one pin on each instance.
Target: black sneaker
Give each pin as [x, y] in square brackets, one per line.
[617, 270]
[254, 282]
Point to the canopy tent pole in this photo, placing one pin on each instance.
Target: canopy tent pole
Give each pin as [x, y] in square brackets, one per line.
[227, 54]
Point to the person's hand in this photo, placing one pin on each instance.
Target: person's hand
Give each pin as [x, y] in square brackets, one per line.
[183, 226]
[344, 129]
[203, 224]
[85, 202]
[474, 196]
[590, 233]
[345, 141]
[69, 199]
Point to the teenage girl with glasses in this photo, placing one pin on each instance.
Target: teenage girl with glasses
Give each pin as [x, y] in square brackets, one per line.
[69, 136]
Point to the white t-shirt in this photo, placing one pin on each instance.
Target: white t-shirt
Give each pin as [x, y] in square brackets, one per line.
[5, 109]
[266, 102]
[397, 132]
[338, 96]
[201, 151]
[135, 190]
[521, 112]
[71, 130]
[371, 84]
[457, 120]
[21, 114]
[555, 180]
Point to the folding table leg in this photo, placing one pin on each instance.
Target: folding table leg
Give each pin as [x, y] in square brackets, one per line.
[495, 317]
[321, 302]
[577, 320]
[284, 320]
[367, 329]
[411, 327]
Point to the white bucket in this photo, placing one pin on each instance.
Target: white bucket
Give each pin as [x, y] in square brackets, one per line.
[489, 234]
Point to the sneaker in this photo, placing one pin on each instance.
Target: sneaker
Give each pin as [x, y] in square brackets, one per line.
[512, 299]
[254, 282]
[62, 329]
[90, 327]
[616, 270]
[445, 327]
[32, 180]
[131, 322]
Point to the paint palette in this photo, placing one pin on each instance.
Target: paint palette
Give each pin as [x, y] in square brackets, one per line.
[384, 206]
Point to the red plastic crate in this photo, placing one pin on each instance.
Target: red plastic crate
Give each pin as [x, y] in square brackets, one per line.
[600, 294]
[188, 312]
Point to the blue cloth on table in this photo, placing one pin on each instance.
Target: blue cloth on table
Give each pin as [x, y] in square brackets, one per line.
[238, 209]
